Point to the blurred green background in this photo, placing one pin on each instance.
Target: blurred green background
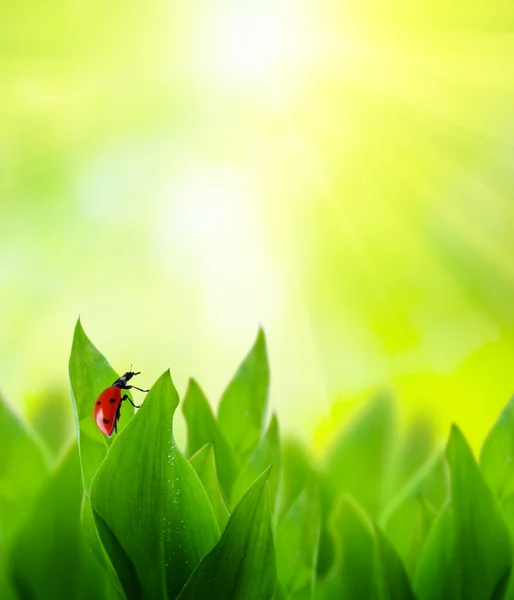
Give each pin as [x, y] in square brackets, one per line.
[340, 173]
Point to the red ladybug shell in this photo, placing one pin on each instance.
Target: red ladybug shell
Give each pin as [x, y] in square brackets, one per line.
[106, 410]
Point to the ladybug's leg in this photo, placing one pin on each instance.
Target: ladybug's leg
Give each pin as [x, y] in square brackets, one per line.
[125, 397]
[116, 419]
[129, 387]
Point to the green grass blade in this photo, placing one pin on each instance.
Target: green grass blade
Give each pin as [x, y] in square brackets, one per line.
[367, 565]
[122, 563]
[280, 593]
[90, 532]
[296, 471]
[410, 516]
[204, 464]
[242, 565]
[390, 580]
[202, 429]
[416, 447]
[358, 462]
[87, 524]
[23, 470]
[508, 513]
[467, 554]
[242, 408]
[267, 453]
[7, 591]
[90, 374]
[153, 513]
[355, 546]
[497, 455]
[497, 467]
[297, 542]
[303, 594]
[49, 557]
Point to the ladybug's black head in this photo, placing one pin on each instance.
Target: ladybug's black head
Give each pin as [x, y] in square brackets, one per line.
[124, 379]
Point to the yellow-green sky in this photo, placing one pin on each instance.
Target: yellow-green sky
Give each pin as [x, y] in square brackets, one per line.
[340, 173]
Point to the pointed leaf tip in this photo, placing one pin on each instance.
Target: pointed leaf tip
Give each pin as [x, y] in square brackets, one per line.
[242, 408]
[467, 551]
[163, 388]
[193, 387]
[79, 329]
[457, 443]
[496, 454]
[242, 565]
[366, 565]
[266, 455]
[90, 373]
[204, 463]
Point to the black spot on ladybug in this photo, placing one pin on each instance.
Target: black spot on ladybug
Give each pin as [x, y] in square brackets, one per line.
[106, 421]
[112, 400]
[98, 403]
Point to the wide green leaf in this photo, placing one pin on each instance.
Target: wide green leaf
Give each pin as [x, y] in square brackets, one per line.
[497, 455]
[409, 517]
[297, 542]
[204, 464]
[467, 555]
[242, 408]
[366, 564]
[50, 558]
[90, 374]
[242, 564]
[153, 514]
[202, 429]
[23, 470]
[267, 453]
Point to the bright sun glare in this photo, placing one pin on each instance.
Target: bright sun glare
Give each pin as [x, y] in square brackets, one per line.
[213, 228]
[248, 47]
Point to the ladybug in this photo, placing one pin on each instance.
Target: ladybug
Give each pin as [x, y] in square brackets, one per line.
[108, 405]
